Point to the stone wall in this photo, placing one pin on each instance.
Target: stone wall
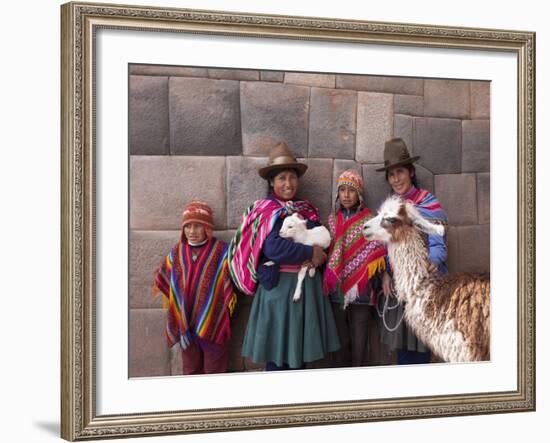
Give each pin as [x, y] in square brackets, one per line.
[198, 132]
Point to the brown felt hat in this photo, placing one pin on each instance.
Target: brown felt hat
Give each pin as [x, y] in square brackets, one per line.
[281, 158]
[396, 154]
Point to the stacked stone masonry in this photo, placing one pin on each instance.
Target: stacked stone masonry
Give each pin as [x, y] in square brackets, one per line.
[204, 132]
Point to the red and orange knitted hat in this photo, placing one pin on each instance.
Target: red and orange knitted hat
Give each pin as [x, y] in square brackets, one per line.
[198, 211]
[352, 178]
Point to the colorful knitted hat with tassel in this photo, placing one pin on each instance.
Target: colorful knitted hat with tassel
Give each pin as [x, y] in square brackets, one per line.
[353, 179]
[198, 211]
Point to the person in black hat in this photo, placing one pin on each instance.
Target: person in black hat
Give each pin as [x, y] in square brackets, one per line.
[401, 176]
[280, 332]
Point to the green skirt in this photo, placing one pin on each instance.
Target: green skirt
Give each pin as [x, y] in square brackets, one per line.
[283, 331]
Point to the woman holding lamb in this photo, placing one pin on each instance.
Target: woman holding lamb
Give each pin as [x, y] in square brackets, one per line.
[281, 332]
[401, 176]
[352, 275]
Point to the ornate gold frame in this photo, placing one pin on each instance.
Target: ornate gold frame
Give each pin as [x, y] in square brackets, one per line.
[78, 415]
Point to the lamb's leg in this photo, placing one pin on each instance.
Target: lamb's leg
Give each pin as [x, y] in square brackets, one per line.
[298, 290]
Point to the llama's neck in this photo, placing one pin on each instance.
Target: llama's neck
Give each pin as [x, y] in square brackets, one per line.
[409, 260]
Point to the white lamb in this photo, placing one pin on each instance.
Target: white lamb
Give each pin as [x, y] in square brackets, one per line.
[295, 228]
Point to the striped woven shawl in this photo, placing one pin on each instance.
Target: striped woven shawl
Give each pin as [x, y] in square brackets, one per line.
[200, 295]
[353, 260]
[258, 221]
[427, 204]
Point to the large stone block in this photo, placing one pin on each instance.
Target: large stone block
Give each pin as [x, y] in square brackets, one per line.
[332, 123]
[274, 112]
[305, 79]
[205, 117]
[476, 149]
[453, 258]
[438, 142]
[403, 128]
[160, 186]
[374, 126]
[147, 251]
[338, 167]
[234, 74]
[457, 194]
[377, 188]
[484, 197]
[272, 76]
[480, 99]
[408, 104]
[447, 98]
[168, 71]
[244, 186]
[395, 85]
[148, 350]
[225, 236]
[315, 185]
[148, 115]
[424, 178]
[474, 246]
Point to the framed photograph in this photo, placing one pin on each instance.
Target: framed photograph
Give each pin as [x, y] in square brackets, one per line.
[164, 106]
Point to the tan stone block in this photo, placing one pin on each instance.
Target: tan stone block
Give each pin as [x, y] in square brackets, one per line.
[474, 245]
[315, 185]
[480, 95]
[484, 197]
[374, 126]
[168, 71]
[457, 195]
[403, 128]
[372, 83]
[377, 188]
[234, 74]
[148, 350]
[447, 98]
[160, 187]
[476, 146]
[274, 112]
[272, 76]
[305, 79]
[408, 104]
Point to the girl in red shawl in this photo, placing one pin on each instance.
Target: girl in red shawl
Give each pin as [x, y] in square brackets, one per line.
[196, 287]
[352, 272]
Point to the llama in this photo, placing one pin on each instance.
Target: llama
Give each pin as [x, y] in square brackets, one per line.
[295, 228]
[450, 314]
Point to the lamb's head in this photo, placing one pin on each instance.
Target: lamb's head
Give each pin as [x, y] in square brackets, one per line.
[395, 221]
[292, 225]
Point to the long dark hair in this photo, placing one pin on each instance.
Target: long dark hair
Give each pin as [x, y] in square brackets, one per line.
[412, 169]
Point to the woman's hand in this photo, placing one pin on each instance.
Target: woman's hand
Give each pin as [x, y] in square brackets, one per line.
[387, 285]
[319, 257]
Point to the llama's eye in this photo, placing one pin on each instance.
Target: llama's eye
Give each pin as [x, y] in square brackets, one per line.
[391, 220]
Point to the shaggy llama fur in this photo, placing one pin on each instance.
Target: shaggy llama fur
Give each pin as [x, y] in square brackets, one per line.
[450, 314]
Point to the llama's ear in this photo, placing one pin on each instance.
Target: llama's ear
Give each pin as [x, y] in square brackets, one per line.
[421, 223]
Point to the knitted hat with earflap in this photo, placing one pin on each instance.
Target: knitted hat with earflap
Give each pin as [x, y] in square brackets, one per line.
[198, 211]
[354, 180]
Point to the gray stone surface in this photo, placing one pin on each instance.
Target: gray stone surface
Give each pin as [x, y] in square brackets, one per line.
[338, 167]
[484, 197]
[315, 185]
[332, 123]
[148, 115]
[480, 99]
[272, 76]
[374, 125]
[476, 149]
[168, 71]
[474, 246]
[457, 194]
[205, 117]
[225, 236]
[234, 74]
[147, 251]
[377, 188]
[425, 178]
[305, 79]
[395, 85]
[244, 186]
[274, 112]
[148, 350]
[438, 142]
[408, 104]
[403, 128]
[453, 259]
[160, 186]
[447, 98]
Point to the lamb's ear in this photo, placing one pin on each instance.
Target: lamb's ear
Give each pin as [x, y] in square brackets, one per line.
[421, 223]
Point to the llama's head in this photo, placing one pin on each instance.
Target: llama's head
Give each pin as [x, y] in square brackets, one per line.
[292, 225]
[395, 221]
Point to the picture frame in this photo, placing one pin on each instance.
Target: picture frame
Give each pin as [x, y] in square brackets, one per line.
[80, 24]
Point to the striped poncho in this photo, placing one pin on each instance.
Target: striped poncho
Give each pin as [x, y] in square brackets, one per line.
[427, 204]
[199, 293]
[258, 221]
[353, 260]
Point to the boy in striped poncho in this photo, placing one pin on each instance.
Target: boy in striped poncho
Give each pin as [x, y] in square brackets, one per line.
[196, 288]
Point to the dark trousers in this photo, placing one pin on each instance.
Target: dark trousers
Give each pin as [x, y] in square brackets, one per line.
[352, 327]
[205, 358]
[405, 357]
